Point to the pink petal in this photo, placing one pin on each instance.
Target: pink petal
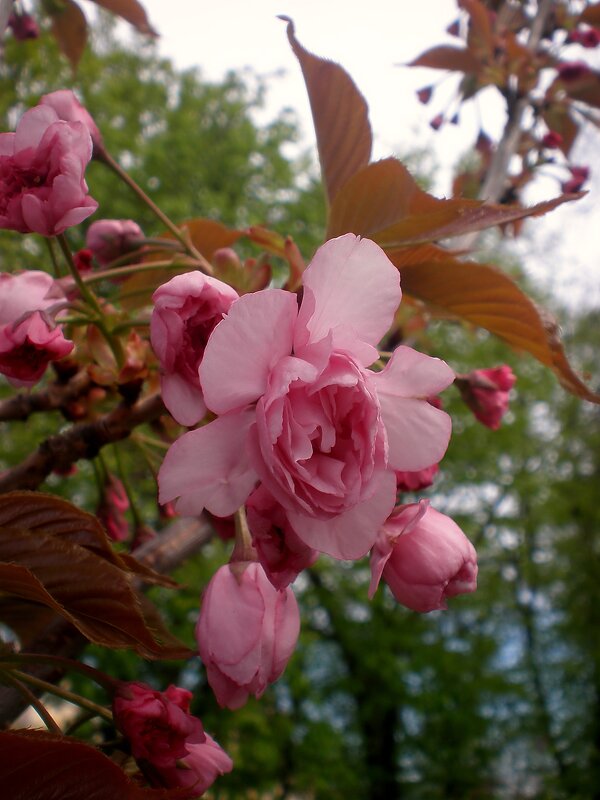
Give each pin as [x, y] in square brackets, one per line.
[351, 534]
[287, 629]
[34, 215]
[184, 401]
[418, 434]
[412, 374]
[352, 289]
[32, 126]
[244, 348]
[209, 467]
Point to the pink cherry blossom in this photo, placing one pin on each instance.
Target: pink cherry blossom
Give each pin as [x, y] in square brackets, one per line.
[282, 554]
[23, 26]
[69, 109]
[42, 168]
[424, 558]
[111, 238]
[246, 632]
[486, 392]
[165, 737]
[186, 311]
[300, 412]
[29, 336]
[111, 511]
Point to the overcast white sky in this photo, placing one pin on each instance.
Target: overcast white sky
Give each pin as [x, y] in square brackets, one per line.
[369, 40]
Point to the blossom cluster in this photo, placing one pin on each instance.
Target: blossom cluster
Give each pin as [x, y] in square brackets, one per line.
[313, 436]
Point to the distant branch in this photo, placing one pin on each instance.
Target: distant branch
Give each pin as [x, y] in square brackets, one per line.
[21, 406]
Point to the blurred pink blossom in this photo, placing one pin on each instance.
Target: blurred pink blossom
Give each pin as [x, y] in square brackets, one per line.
[23, 26]
[111, 511]
[111, 238]
[42, 168]
[299, 411]
[424, 557]
[69, 109]
[186, 311]
[246, 632]
[29, 336]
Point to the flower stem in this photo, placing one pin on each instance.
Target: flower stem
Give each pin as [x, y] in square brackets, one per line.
[96, 675]
[131, 269]
[71, 697]
[34, 702]
[141, 194]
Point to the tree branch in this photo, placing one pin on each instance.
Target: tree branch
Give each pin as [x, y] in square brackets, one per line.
[81, 441]
[21, 406]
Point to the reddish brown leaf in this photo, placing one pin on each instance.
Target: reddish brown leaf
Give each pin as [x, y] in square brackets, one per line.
[36, 765]
[585, 90]
[69, 28]
[484, 296]
[480, 37]
[340, 115]
[54, 516]
[383, 201]
[131, 11]
[445, 56]
[95, 595]
[591, 15]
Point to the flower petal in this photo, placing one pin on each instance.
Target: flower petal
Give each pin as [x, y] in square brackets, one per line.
[184, 401]
[351, 534]
[418, 434]
[413, 374]
[209, 467]
[352, 289]
[245, 346]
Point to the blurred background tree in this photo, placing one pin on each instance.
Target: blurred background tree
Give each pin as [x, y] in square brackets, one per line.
[497, 698]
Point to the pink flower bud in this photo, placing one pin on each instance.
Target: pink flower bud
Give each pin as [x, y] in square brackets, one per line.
[579, 175]
[112, 508]
[424, 557]
[246, 632]
[282, 554]
[23, 26]
[68, 108]
[414, 481]
[424, 94]
[437, 122]
[165, 736]
[111, 238]
[42, 168]
[486, 392]
[186, 310]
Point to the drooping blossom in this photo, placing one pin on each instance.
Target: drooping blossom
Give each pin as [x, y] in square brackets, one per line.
[23, 26]
[112, 238]
[424, 557]
[69, 109]
[42, 169]
[111, 510]
[246, 632]
[552, 140]
[282, 554]
[164, 735]
[486, 392]
[424, 94]
[571, 71]
[29, 335]
[186, 310]
[300, 412]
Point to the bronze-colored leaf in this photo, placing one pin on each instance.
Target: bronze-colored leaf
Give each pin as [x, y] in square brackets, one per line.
[53, 516]
[446, 56]
[482, 295]
[591, 15]
[95, 595]
[131, 11]
[557, 117]
[36, 765]
[69, 28]
[384, 202]
[340, 115]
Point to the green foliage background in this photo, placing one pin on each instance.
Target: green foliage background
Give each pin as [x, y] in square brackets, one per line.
[499, 697]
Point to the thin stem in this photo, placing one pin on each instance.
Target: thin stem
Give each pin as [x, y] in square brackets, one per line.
[71, 697]
[131, 269]
[141, 194]
[96, 675]
[34, 702]
[55, 265]
[243, 549]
